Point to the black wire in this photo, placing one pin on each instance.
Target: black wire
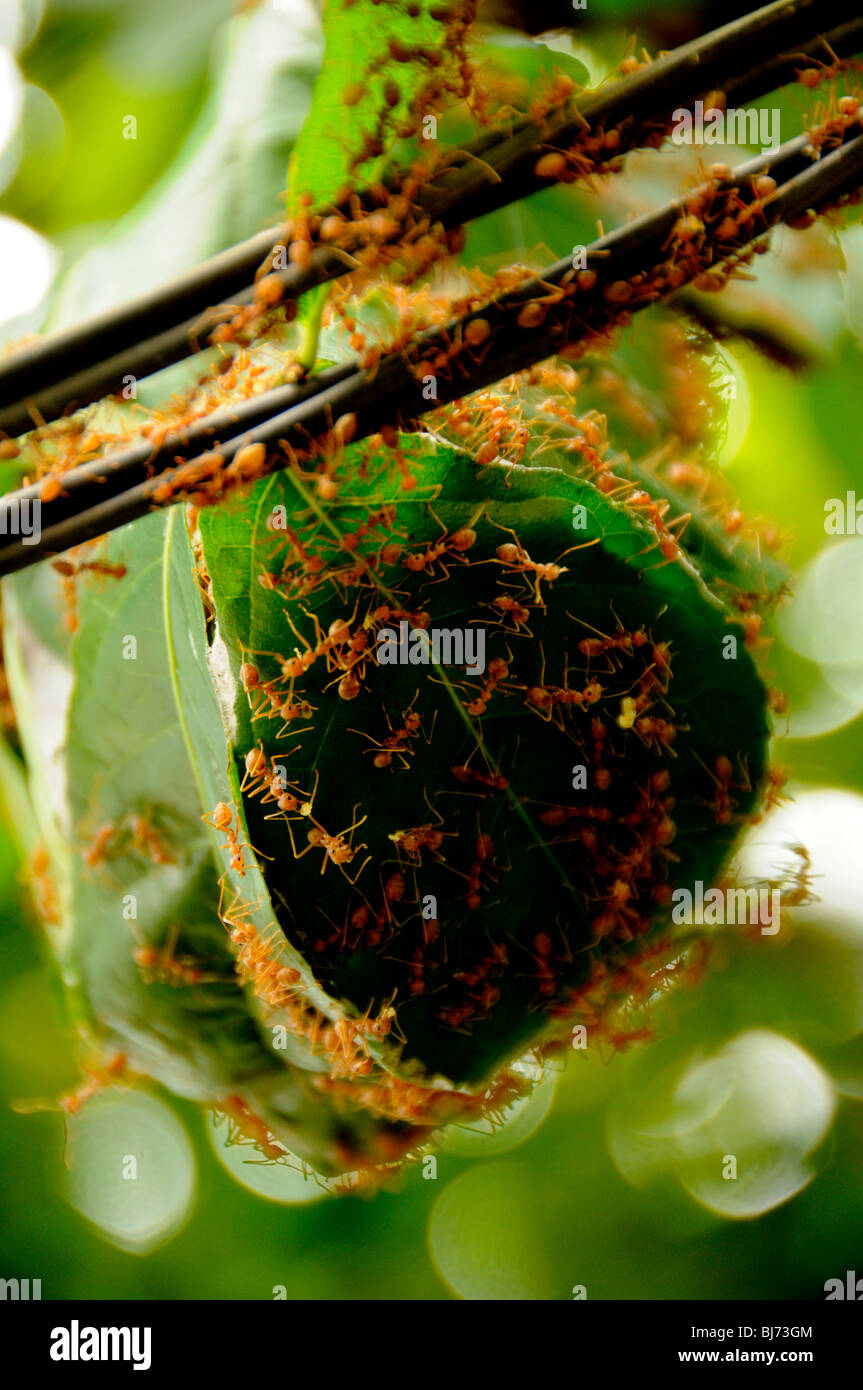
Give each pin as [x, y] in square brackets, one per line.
[747, 57]
[391, 392]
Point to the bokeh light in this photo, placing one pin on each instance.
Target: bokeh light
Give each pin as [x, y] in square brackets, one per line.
[132, 1170]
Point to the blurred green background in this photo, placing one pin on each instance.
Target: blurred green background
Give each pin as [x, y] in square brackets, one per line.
[610, 1178]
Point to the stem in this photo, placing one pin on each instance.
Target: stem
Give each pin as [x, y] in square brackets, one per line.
[314, 312]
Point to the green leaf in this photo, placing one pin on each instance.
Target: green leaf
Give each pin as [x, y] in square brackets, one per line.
[731, 564]
[363, 95]
[351, 93]
[614, 579]
[38, 656]
[121, 721]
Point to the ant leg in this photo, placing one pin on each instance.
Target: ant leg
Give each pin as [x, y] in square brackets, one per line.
[352, 881]
[584, 545]
[294, 844]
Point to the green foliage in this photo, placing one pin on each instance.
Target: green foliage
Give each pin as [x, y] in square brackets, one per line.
[709, 706]
[621, 680]
[358, 105]
[383, 68]
[121, 810]
[165, 737]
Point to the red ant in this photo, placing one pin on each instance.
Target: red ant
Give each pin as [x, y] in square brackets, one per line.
[43, 886]
[723, 803]
[656, 512]
[96, 1079]
[397, 742]
[312, 566]
[270, 702]
[98, 851]
[423, 562]
[159, 964]
[257, 773]
[656, 733]
[550, 701]
[382, 520]
[103, 567]
[420, 837]
[510, 607]
[515, 558]
[385, 613]
[338, 635]
[620, 641]
[484, 863]
[347, 1049]
[776, 778]
[548, 966]
[147, 840]
[490, 781]
[337, 849]
[221, 819]
[292, 803]
[249, 1125]
[498, 670]
[70, 572]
